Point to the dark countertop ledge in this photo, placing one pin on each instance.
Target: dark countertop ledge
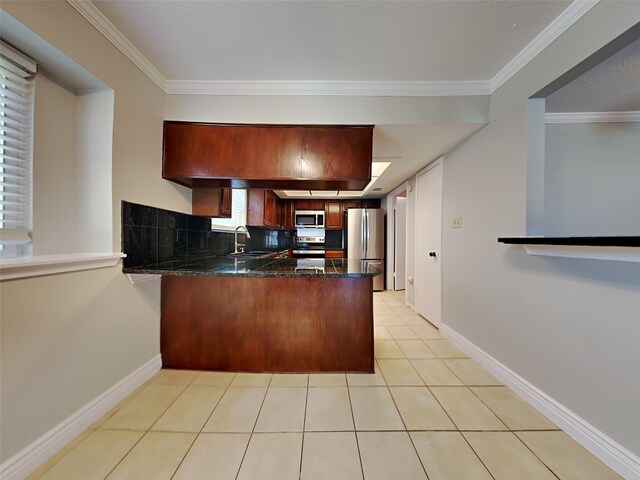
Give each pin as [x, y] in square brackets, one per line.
[599, 241]
[268, 267]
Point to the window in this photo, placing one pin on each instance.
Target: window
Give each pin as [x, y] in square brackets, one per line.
[16, 141]
[238, 212]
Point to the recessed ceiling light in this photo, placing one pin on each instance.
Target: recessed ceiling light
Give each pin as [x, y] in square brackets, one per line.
[378, 167]
[297, 193]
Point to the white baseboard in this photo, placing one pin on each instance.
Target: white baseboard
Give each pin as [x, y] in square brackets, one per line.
[618, 458]
[31, 457]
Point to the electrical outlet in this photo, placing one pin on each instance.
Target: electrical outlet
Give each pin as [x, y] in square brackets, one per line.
[457, 222]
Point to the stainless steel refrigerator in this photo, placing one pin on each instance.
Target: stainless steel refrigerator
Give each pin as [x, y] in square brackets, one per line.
[365, 239]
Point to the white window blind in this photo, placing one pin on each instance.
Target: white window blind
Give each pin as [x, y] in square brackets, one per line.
[16, 139]
[238, 212]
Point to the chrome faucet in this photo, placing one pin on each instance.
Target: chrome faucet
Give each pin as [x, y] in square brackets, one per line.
[235, 239]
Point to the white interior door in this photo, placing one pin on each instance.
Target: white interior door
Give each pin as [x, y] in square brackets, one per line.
[429, 243]
[400, 243]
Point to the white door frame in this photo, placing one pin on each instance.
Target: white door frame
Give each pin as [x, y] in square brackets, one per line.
[403, 269]
[390, 246]
[439, 161]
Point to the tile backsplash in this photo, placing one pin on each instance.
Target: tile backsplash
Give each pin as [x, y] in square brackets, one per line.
[153, 235]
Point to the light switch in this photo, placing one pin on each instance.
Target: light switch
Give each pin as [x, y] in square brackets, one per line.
[457, 222]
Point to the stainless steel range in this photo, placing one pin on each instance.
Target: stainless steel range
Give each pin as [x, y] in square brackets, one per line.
[309, 243]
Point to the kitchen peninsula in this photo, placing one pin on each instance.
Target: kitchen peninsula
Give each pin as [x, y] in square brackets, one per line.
[266, 315]
[245, 313]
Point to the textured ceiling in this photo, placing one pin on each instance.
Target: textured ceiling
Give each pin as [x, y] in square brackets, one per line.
[611, 86]
[330, 40]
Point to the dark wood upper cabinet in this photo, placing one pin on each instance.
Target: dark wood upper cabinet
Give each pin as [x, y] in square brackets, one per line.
[364, 203]
[270, 209]
[263, 208]
[255, 207]
[288, 211]
[267, 156]
[370, 203]
[309, 204]
[347, 204]
[333, 215]
[211, 202]
[328, 153]
[227, 202]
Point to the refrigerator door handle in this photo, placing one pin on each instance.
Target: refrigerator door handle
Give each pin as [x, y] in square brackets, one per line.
[362, 231]
[366, 234]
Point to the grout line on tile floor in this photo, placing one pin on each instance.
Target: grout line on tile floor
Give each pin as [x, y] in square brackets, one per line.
[304, 426]
[406, 431]
[125, 455]
[477, 456]
[185, 455]
[150, 427]
[353, 419]
[498, 416]
[203, 425]
[536, 455]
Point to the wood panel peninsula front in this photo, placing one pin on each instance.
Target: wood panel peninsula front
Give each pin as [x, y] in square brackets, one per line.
[293, 315]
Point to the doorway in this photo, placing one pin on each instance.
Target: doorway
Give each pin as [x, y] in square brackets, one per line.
[400, 241]
[428, 275]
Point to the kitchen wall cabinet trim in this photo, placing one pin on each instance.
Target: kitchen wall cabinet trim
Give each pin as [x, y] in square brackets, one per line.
[54, 264]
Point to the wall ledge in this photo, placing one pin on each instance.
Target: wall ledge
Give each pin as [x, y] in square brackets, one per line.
[617, 457]
[39, 265]
[592, 117]
[620, 249]
[32, 456]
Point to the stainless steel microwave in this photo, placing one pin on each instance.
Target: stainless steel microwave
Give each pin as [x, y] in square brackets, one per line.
[309, 218]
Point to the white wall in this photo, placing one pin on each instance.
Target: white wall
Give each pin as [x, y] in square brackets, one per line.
[592, 179]
[568, 326]
[72, 203]
[54, 161]
[327, 109]
[94, 137]
[65, 339]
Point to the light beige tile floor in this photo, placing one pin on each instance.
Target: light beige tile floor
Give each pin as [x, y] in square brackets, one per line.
[428, 412]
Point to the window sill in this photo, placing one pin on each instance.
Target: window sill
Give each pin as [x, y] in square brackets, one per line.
[53, 264]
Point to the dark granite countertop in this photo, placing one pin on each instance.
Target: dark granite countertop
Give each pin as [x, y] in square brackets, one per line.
[600, 241]
[257, 267]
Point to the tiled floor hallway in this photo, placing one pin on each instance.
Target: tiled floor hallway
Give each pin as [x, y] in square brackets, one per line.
[428, 412]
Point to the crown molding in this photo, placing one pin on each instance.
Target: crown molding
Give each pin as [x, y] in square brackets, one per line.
[233, 87]
[556, 28]
[95, 17]
[592, 117]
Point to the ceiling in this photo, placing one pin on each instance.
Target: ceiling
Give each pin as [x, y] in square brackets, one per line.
[330, 40]
[611, 86]
[383, 48]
